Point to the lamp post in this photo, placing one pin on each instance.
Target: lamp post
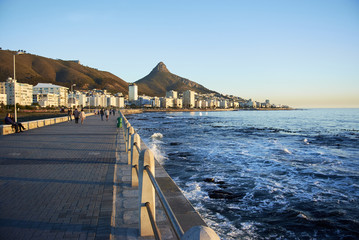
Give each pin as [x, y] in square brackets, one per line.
[15, 111]
[72, 95]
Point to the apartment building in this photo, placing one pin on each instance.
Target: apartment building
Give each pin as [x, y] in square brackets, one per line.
[21, 93]
[189, 99]
[62, 92]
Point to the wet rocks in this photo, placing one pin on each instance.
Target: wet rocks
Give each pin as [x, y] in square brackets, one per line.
[223, 194]
[220, 194]
[212, 180]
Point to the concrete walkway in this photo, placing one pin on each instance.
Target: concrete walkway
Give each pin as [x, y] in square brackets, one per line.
[56, 182]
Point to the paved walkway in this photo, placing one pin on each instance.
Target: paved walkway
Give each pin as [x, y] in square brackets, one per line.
[56, 182]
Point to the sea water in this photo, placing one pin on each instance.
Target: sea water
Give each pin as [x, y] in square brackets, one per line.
[263, 174]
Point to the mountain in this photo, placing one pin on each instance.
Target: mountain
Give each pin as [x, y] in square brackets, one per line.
[35, 69]
[161, 80]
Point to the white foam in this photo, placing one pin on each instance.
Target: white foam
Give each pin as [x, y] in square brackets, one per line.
[157, 135]
[287, 151]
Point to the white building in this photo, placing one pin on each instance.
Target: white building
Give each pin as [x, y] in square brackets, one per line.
[72, 101]
[235, 104]
[188, 99]
[251, 104]
[3, 98]
[19, 92]
[177, 103]
[132, 92]
[61, 91]
[46, 99]
[155, 102]
[120, 102]
[171, 94]
[98, 100]
[81, 99]
[111, 101]
[167, 102]
[211, 103]
[224, 104]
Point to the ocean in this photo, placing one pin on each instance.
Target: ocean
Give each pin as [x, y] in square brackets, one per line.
[263, 174]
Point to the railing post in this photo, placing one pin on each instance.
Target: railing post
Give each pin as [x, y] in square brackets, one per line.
[147, 192]
[128, 126]
[124, 125]
[200, 233]
[131, 131]
[134, 159]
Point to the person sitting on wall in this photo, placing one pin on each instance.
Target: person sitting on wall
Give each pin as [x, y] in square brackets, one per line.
[8, 120]
[18, 123]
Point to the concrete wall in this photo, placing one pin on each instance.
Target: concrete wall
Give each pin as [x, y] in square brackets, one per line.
[7, 129]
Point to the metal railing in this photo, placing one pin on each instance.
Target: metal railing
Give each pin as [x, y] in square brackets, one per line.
[142, 164]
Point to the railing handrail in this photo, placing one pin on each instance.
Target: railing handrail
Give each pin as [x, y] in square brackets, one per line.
[131, 145]
[168, 210]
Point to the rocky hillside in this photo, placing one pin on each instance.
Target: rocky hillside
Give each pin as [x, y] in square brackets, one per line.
[35, 69]
[161, 80]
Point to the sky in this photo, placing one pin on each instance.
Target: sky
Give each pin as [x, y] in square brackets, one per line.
[301, 53]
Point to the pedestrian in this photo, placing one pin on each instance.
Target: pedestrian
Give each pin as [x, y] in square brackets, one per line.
[69, 114]
[107, 113]
[114, 111]
[76, 115]
[102, 112]
[82, 116]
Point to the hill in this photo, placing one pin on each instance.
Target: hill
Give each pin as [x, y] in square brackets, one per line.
[160, 80]
[35, 69]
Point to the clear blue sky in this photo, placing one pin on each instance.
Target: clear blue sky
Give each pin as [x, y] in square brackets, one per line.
[301, 53]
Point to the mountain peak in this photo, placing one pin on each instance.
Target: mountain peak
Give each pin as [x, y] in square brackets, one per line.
[161, 67]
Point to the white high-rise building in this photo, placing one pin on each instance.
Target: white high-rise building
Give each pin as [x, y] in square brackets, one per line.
[21, 92]
[111, 101]
[188, 99]
[54, 89]
[120, 102]
[98, 100]
[132, 92]
[171, 94]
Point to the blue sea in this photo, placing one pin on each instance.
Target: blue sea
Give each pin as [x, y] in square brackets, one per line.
[263, 174]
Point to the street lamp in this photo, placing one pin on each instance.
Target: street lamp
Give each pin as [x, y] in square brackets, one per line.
[18, 53]
[72, 95]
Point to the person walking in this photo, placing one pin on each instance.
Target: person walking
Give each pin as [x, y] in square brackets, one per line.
[82, 116]
[102, 113]
[107, 113]
[76, 115]
[69, 114]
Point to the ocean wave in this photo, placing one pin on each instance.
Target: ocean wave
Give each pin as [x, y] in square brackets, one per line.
[157, 135]
[275, 176]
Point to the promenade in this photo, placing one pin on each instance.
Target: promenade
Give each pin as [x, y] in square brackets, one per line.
[56, 182]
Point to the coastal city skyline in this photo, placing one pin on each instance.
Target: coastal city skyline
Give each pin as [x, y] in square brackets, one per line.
[301, 54]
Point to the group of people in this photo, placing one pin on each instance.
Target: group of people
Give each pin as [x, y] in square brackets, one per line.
[9, 119]
[77, 115]
[106, 113]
